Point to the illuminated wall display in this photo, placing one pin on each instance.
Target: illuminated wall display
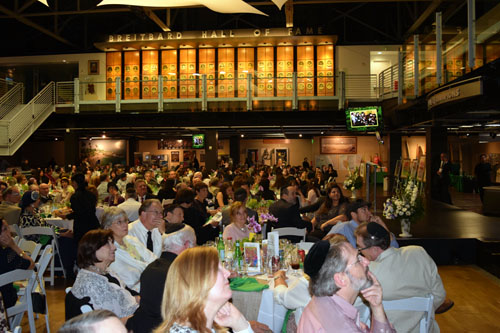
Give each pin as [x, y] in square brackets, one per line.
[226, 72]
[113, 70]
[169, 73]
[226, 57]
[149, 74]
[131, 75]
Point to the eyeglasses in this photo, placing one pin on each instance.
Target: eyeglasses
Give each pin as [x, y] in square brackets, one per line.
[362, 249]
[156, 212]
[358, 260]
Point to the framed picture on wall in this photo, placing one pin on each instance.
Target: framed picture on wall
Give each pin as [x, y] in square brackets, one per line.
[405, 168]
[338, 145]
[282, 153]
[174, 156]
[202, 158]
[397, 169]
[414, 168]
[93, 67]
[421, 169]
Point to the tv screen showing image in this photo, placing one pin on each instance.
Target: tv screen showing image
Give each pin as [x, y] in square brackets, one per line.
[199, 141]
[364, 119]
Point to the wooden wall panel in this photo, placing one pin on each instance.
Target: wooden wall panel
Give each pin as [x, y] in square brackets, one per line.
[265, 71]
[113, 70]
[169, 73]
[207, 66]
[187, 68]
[149, 74]
[325, 71]
[226, 72]
[246, 61]
[285, 70]
[305, 70]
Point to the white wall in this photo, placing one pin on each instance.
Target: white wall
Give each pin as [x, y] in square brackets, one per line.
[356, 59]
[82, 59]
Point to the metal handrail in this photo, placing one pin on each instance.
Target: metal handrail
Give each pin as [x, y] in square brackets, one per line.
[11, 99]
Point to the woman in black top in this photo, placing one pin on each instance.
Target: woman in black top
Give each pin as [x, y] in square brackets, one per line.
[11, 258]
[264, 192]
[83, 204]
[167, 190]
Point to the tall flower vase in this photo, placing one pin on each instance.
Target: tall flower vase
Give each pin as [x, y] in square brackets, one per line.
[354, 195]
[405, 228]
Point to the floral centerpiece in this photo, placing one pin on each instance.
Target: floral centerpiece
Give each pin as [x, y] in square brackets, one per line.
[405, 205]
[354, 181]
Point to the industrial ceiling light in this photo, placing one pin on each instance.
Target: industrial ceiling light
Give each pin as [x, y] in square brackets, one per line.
[221, 6]
[300, 135]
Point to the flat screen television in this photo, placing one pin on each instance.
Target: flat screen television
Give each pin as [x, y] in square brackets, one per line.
[365, 119]
[198, 140]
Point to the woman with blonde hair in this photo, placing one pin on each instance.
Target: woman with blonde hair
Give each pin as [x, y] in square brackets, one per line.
[196, 294]
[238, 229]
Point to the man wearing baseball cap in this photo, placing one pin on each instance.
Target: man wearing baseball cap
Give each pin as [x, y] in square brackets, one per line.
[358, 212]
[337, 275]
[403, 273]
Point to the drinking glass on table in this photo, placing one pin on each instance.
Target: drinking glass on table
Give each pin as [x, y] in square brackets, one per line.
[295, 261]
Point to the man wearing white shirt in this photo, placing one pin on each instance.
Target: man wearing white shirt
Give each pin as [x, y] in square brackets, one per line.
[131, 205]
[146, 227]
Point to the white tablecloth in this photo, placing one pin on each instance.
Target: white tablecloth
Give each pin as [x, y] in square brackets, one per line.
[268, 313]
[59, 222]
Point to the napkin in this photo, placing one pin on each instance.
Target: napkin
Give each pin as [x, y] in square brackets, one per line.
[247, 284]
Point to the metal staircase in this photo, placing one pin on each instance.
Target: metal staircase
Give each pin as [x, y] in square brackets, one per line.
[19, 121]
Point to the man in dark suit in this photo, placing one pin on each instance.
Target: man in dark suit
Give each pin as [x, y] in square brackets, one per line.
[443, 181]
[287, 212]
[148, 315]
[141, 188]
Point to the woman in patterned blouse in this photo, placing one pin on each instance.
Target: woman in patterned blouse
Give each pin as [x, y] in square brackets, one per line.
[96, 251]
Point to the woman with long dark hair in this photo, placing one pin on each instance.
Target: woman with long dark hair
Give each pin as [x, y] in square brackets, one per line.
[330, 212]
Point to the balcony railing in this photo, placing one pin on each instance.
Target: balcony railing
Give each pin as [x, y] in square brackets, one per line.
[388, 82]
[200, 93]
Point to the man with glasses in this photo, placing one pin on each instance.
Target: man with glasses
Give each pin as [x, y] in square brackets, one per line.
[8, 208]
[403, 273]
[146, 227]
[337, 275]
[359, 212]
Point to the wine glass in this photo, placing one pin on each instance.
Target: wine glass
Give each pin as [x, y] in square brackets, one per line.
[295, 261]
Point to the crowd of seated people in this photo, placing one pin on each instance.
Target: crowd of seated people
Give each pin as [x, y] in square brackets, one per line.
[133, 225]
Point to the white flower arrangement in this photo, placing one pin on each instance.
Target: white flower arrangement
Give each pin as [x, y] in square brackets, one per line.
[405, 204]
[354, 180]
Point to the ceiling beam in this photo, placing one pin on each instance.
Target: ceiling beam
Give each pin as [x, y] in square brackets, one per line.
[149, 13]
[35, 26]
[26, 5]
[421, 19]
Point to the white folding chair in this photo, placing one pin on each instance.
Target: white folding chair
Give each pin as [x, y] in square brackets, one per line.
[289, 231]
[55, 246]
[24, 303]
[420, 304]
[39, 285]
[31, 247]
[84, 308]
[306, 246]
[14, 228]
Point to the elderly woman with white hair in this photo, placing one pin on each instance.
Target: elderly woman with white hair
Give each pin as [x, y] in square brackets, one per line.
[131, 257]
